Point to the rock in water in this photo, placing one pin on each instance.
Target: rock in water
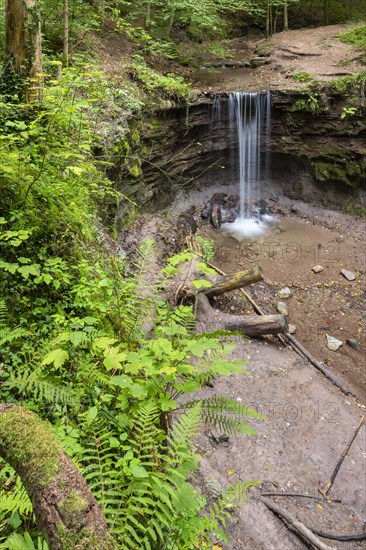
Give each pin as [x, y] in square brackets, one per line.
[216, 219]
[285, 293]
[353, 344]
[349, 275]
[333, 343]
[317, 268]
[282, 308]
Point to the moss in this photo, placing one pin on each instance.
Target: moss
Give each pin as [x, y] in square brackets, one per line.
[348, 173]
[28, 444]
[135, 170]
[354, 209]
[84, 540]
[134, 136]
[73, 508]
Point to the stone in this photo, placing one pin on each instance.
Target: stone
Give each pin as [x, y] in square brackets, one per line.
[214, 486]
[282, 308]
[333, 343]
[217, 437]
[216, 216]
[349, 275]
[317, 268]
[285, 293]
[353, 344]
[292, 329]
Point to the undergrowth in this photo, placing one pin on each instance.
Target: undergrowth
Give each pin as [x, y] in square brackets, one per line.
[86, 341]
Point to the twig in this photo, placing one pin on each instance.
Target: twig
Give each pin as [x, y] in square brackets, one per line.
[295, 344]
[360, 536]
[339, 463]
[300, 495]
[296, 524]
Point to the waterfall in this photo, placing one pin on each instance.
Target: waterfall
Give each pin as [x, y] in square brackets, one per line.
[250, 117]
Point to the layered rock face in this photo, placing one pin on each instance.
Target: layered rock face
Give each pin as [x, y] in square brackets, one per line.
[317, 150]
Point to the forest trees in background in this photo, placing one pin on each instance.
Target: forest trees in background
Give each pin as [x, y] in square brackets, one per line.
[23, 49]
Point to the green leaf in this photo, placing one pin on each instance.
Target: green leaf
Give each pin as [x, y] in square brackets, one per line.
[57, 357]
[137, 470]
[207, 270]
[91, 414]
[113, 359]
[114, 443]
[27, 270]
[201, 283]
[139, 391]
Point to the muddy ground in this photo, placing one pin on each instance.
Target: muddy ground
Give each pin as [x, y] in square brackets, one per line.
[308, 420]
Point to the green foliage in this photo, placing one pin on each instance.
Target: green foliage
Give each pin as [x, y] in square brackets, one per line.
[356, 37]
[169, 86]
[348, 112]
[302, 76]
[348, 84]
[87, 344]
[207, 247]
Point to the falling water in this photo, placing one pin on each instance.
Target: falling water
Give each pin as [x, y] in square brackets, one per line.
[250, 113]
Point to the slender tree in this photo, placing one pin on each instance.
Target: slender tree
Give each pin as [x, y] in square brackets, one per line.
[23, 47]
[66, 32]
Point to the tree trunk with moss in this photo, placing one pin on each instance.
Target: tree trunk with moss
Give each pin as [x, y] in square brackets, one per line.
[23, 47]
[66, 511]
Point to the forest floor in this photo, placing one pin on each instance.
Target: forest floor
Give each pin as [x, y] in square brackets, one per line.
[309, 421]
[316, 51]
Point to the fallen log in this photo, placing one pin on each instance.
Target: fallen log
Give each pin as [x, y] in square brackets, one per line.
[252, 325]
[255, 325]
[66, 511]
[235, 281]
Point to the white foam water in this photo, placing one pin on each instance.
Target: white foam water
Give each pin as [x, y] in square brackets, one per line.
[250, 228]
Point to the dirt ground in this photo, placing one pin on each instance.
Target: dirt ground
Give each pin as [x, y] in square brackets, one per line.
[308, 420]
[315, 51]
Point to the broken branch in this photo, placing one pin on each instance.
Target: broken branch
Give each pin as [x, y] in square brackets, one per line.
[296, 524]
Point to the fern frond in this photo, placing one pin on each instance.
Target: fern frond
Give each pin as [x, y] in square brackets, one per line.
[42, 389]
[15, 500]
[8, 334]
[226, 414]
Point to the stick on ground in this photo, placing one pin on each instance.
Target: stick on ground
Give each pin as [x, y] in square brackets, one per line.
[325, 490]
[296, 525]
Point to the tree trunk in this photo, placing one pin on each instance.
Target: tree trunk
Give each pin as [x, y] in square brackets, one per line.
[148, 15]
[171, 22]
[66, 32]
[268, 26]
[237, 280]
[285, 16]
[23, 48]
[66, 511]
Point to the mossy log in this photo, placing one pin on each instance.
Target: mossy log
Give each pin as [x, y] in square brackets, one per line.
[237, 280]
[66, 511]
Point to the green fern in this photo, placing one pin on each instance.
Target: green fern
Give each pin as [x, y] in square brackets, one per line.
[226, 414]
[16, 500]
[7, 334]
[31, 383]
